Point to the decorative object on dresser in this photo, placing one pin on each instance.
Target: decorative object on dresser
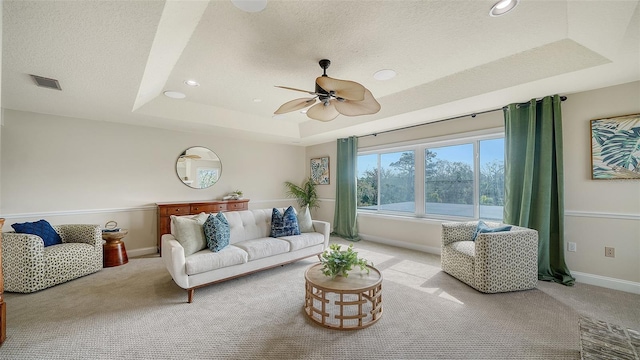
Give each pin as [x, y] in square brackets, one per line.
[166, 209]
[3, 305]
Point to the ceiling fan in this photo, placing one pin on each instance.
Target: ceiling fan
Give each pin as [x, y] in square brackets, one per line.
[336, 97]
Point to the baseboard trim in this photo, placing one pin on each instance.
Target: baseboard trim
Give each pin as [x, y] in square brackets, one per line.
[142, 252]
[401, 244]
[607, 282]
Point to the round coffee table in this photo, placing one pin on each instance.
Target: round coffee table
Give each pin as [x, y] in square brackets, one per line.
[114, 252]
[350, 303]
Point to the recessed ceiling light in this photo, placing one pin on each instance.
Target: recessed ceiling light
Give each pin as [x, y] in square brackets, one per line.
[251, 6]
[192, 83]
[384, 74]
[257, 100]
[175, 94]
[502, 7]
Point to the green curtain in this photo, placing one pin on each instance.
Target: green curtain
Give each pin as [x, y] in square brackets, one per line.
[534, 181]
[345, 222]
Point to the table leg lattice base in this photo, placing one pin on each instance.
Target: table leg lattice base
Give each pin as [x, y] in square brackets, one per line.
[343, 310]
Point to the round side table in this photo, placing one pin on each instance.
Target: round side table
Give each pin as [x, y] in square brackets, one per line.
[114, 252]
[350, 303]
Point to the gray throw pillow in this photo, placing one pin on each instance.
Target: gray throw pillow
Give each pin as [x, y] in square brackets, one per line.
[189, 233]
[304, 220]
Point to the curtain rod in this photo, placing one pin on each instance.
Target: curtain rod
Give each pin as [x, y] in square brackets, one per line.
[562, 98]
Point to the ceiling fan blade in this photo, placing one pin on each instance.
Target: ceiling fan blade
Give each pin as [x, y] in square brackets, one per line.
[345, 89]
[354, 108]
[294, 105]
[323, 113]
[294, 89]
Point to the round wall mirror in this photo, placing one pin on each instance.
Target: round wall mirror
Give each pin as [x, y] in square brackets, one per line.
[198, 167]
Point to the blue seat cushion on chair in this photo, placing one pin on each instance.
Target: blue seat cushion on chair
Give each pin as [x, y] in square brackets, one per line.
[484, 228]
[284, 224]
[40, 228]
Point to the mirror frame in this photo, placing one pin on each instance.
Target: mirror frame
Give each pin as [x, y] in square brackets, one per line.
[190, 155]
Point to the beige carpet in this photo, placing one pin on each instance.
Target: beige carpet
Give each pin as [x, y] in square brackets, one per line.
[135, 311]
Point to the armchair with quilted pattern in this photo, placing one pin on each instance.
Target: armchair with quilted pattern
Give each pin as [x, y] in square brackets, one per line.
[29, 266]
[494, 262]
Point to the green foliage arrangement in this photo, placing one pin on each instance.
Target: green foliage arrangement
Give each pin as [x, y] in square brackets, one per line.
[337, 262]
[305, 194]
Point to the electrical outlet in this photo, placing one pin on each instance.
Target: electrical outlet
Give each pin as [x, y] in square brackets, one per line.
[571, 247]
[609, 252]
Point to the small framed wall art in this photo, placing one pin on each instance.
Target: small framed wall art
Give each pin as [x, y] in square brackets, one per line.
[615, 148]
[320, 171]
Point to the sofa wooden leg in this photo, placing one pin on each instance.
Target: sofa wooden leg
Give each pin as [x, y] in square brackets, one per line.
[190, 295]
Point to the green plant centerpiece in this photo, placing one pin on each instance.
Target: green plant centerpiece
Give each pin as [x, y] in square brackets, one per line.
[338, 262]
[305, 194]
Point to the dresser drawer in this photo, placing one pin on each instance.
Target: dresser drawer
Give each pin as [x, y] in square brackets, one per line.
[237, 206]
[207, 208]
[174, 210]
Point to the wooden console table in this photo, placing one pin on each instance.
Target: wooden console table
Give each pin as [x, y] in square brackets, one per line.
[165, 210]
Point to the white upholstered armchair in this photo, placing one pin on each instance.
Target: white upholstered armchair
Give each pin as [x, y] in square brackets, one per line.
[494, 262]
[29, 266]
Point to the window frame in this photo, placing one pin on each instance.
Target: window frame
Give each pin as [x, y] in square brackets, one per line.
[419, 147]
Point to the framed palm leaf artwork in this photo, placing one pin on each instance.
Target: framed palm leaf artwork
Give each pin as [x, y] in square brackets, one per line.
[615, 148]
[320, 171]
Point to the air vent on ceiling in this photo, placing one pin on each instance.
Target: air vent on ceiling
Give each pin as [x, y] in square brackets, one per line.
[46, 82]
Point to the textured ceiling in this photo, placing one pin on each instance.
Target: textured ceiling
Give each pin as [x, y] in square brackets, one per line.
[114, 59]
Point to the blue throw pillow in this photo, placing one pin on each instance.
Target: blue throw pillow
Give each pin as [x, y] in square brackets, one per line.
[41, 228]
[217, 232]
[484, 228]
[284, 224]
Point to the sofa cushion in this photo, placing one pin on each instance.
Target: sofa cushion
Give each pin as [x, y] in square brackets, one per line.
[264, 247]
[284, 224]
[189, 233]
[205, 260]
[40, 228]
[216, 232]
[484, 228]
[465, 247]
[305, 223]
[303, 240]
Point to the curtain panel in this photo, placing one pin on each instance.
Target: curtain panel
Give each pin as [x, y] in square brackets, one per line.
[534, 180]
[345, 222]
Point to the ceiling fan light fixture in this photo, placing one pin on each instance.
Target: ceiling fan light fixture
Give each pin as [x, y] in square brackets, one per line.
[250, 6]
[502, 7]
[384, 74]
[174, 94]
[332, 97]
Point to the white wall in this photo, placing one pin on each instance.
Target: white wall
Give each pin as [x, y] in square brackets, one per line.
[70, 170]
[597, 213]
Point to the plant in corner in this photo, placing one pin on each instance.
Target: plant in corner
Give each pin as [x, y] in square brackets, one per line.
[305, 194]
[337, 262]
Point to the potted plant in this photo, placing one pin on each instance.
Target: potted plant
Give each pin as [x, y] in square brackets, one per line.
[337, 262]
[305, 194]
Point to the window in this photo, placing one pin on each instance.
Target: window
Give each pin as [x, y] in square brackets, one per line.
[451, 179]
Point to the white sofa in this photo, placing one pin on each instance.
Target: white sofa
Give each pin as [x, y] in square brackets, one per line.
[250, 249]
